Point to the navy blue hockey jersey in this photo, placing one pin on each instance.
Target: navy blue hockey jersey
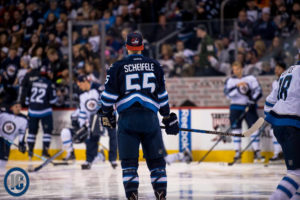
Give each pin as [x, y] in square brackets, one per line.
[136, 79]
[40, 97]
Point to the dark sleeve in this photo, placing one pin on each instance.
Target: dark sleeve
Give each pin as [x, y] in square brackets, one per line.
[52, 94]
[163, 98]
[110, 94]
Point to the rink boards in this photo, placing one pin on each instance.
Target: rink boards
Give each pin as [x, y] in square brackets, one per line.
[206, 118]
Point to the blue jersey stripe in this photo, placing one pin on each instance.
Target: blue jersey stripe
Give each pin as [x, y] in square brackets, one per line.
[269, 104]
[237, 107]
[282, 121]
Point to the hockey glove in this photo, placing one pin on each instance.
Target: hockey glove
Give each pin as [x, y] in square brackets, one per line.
[171, 123]
[108, 120]
[22, 147]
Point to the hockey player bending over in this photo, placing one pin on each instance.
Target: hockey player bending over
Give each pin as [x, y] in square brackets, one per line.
[12, 124]
[69, 136]
[88, 107]
[243, 91]
[285, 119]
[136, 86]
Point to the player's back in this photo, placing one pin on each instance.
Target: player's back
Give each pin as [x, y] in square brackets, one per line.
[41, 97]
[286, 110]
[138, 80]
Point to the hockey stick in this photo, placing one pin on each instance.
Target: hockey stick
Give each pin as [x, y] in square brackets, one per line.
[247, 133]
[241, 117]
[34, 154]
[58, 153]
[49, 160]
[250, 143]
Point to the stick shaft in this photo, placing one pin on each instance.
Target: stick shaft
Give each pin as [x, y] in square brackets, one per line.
[208, 132]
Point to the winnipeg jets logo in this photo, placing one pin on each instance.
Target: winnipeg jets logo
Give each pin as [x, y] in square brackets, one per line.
[91, 105]
[134, 41]
[9, 127]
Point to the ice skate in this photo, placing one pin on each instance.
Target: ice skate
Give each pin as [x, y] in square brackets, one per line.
[188, 158]
[70, 156]
[86, 165]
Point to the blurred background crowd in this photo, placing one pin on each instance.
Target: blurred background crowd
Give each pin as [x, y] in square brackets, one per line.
[185, 36]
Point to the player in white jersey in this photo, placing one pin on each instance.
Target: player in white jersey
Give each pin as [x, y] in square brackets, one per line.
[285, 119]
[12, 124]
[279, 69]
[88, 107]
[243, 91]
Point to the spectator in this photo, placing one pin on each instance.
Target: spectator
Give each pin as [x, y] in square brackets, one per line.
[188, 54]
[252, 11]
[33, 20]
[58, 68]
[162, 30]
[179, 65]
[266, 69]
[108, 19]
[166, 60]
[275, 52]
[10, 66]
[52, 9]
[34, 42]
[94, 39]
[264, 28]
[244, 26]
[70, 10]
[253, 66]
[85, 10]
[5, 22]
[60, 31]
[205, 49]
[50, 23]
[17, 26]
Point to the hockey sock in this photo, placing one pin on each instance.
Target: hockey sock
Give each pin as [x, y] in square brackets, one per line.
[255, 143]
[66, 139]
[159, 182]
[130, 177]
[158, 175]
[237, 140]
[31, 142]
[296, 196]
[287, 187]
[46, 141]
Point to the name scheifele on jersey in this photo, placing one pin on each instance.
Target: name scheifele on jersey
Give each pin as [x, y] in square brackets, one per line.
[136, 79]
[137, 67]
[41, 96]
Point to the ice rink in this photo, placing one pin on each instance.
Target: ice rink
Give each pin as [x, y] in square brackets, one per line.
[205, 181]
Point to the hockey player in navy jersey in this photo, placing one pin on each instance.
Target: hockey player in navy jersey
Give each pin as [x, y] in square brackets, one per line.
[12, 124]
[279, 69]
[284, 116]
[136, 86]
[88, 107]
[243, 91]
[41, 96]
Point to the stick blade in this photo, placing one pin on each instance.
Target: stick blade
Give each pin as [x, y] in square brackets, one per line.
[254, 127]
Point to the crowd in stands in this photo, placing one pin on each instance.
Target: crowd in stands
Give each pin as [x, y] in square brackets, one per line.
[267, 33]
